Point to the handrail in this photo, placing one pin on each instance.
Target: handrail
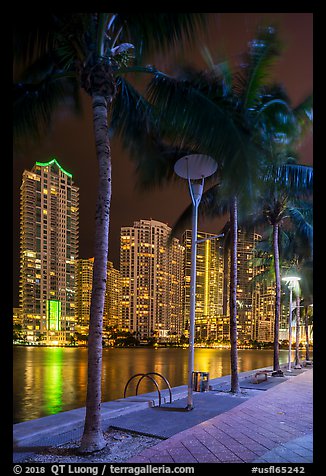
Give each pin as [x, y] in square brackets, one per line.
[160, 375]
[131, 378]
[152, 379]
[148, 375]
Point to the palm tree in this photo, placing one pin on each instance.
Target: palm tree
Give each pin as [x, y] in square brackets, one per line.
[294, 249]
[224, 115]
[299, 254]
[307, 294]
[308, 319]
[278, 204]
[57, 55]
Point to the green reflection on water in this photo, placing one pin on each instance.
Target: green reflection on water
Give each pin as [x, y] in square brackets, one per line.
[52, 380]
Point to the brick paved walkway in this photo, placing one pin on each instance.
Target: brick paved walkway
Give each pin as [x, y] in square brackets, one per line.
[274, 426]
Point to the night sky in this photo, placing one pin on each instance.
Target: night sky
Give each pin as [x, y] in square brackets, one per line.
[71, 139]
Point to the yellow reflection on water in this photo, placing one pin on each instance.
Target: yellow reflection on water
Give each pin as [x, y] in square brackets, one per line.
[50, 380]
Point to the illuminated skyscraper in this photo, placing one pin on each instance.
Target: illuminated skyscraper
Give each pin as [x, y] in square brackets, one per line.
[48, 251]
[112, 303]
[246, 272]
[245, 289]
[151, 273]
[247, 304]
[17, 316]
[263, 311]
[84, 282]
[209, 283]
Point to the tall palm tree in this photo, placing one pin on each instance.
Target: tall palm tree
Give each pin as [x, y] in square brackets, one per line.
[225, 115]
[307, 299]
[277, 127]
[307, 308]
[299, 254]
[279, 204]
[57, 55]
[295, 252]
[299, 251]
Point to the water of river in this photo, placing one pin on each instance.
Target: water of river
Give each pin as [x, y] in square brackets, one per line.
[52, 380]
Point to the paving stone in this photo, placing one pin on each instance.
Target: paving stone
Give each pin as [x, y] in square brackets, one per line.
[182, 454]
[253, 431]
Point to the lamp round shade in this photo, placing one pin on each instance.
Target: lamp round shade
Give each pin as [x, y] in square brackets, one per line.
[195, 166]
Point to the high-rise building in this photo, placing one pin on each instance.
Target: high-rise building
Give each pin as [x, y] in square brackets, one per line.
[246, 272]
[151, 274]
[209, 284]
[17, 316]
[247, 307]
[84, 282]
[263, 311]
[112, 303]
[48, 252]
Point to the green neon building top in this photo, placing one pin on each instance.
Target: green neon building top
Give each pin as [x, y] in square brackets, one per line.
[52, 161]
[53, 314]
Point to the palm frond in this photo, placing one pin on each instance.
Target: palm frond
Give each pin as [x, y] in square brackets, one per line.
[33, 35]
[190, 120]
[264, 246]
[276, 120]
[298, 178]
[263, 51]
[303, 227]
[35, 102]
[186, 114]
[266, 276]
[293, 178]
[160, 31]
[304, 115]
[133, 120]
[37, 34]
[285, 244]
[102, 24]
[212, 205]
[210, 83]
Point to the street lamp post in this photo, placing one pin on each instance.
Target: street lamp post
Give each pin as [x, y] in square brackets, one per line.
[290, 280]
[195, 168]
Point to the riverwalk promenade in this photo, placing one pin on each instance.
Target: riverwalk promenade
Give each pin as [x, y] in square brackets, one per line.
[275, 426]
[269, 422]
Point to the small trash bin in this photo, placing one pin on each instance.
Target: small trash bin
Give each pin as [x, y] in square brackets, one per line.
[200, 381]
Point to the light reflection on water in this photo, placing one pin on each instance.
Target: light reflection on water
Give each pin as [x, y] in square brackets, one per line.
[51, 380]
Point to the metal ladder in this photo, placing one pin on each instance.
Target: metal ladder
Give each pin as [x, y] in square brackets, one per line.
[149, 375]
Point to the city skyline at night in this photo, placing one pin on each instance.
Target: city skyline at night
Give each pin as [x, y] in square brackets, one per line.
[148, 294]
[71, 138]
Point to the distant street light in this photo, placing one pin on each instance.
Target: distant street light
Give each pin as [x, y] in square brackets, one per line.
[194, 168]
[290, 281]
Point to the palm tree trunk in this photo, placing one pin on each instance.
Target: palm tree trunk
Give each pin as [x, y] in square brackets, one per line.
[276, 362]
[297, 335]
[306, 325]
[93, 439]
[235, 387]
